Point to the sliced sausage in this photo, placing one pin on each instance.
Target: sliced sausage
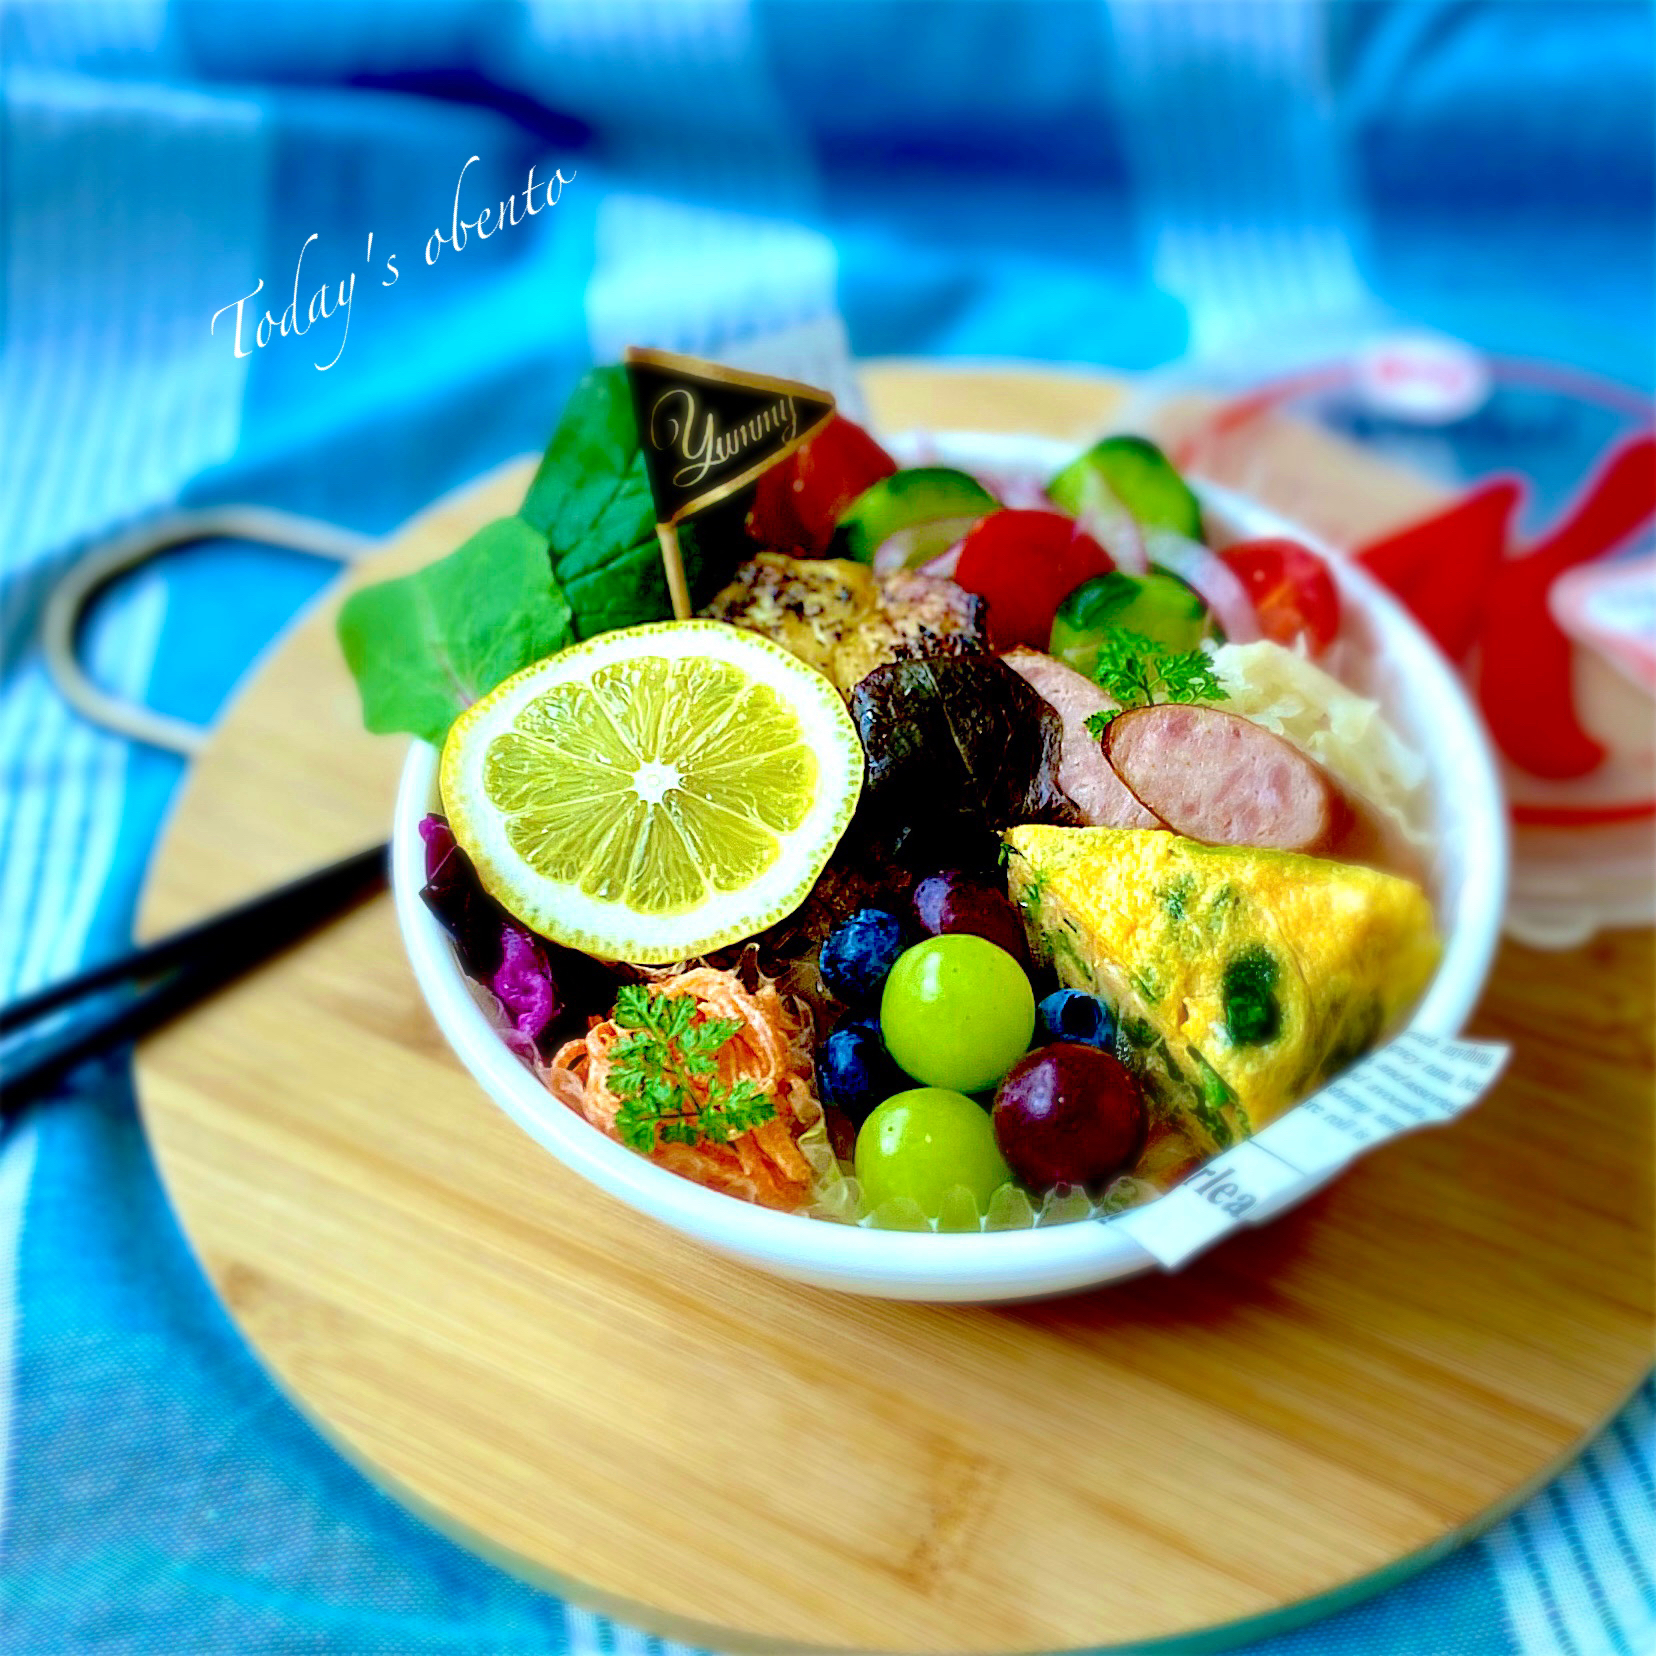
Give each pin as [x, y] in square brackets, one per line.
[1217, 777]
[1102, 798]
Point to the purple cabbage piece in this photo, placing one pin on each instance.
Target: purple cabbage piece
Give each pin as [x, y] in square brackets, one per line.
[469, 915]
[524, 986]
[544, 990]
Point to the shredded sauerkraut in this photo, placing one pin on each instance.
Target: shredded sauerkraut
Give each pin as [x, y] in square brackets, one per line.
[1345, 733]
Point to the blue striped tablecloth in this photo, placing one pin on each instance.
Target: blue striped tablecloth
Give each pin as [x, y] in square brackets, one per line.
[1103, 183]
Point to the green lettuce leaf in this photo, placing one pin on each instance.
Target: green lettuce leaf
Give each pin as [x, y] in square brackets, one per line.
[424, 648]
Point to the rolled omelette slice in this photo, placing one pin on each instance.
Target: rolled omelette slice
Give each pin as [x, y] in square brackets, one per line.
[1241, 978]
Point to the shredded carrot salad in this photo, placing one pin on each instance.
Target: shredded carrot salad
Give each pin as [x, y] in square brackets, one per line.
[772, 1048]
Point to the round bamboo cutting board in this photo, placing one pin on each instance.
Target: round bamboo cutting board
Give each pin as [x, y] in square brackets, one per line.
[611, 1411]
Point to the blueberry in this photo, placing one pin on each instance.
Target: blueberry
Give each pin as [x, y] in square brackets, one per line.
[857, 955]
[1070, 1015]
[854, 1071]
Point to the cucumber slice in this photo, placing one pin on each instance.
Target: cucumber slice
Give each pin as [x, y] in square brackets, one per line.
[1158, 605]
[1138, 475]
[924, 509]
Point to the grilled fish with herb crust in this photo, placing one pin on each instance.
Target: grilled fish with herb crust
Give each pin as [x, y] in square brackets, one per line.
[845, 621]
[917, 615]
[1242, 979]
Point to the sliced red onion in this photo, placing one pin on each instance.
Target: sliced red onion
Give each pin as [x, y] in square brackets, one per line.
[1022, 491]
[945, 565]
[1112, 526]
[890, 556]
[1210, 577]
[899, 551]
[1119, 534]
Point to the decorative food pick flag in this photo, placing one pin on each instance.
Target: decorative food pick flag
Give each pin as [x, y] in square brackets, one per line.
[707, 431]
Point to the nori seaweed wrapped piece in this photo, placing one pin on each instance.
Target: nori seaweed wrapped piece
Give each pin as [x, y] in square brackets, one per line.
[957, 748]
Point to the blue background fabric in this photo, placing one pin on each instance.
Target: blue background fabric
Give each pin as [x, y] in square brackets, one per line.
[1120, 184]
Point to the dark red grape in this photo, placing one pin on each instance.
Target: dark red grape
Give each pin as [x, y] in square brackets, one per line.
[842, 1133]
[956, 902]
[929, 898]
[1069, 1114]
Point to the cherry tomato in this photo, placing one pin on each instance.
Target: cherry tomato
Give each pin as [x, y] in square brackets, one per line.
[798, 502]
[1026, 564]
[1290, 588]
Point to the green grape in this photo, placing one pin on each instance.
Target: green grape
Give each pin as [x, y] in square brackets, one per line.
[921, 1144]
[957, 1012]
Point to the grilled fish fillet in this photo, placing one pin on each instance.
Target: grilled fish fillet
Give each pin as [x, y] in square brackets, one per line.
[845, 621]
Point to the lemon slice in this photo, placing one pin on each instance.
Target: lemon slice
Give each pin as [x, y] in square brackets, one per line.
[655, 792]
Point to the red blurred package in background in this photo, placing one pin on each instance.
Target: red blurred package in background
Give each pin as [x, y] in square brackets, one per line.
[1508, 503]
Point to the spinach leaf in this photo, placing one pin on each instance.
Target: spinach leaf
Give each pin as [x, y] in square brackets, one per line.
[630, 588]
[1215, 1090]
[1356, 1029]
[591, 496]
[424, 647]
[591, 499]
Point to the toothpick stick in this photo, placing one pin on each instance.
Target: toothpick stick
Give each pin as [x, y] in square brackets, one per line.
[667, 534]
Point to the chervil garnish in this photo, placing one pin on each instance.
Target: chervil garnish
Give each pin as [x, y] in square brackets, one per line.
[665, 1070]
[1138, 672]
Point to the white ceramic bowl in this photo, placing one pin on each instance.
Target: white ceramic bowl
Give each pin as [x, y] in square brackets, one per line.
[1422, 697]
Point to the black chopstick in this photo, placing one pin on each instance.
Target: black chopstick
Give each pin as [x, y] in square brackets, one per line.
[167, 976]
[283, 914]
